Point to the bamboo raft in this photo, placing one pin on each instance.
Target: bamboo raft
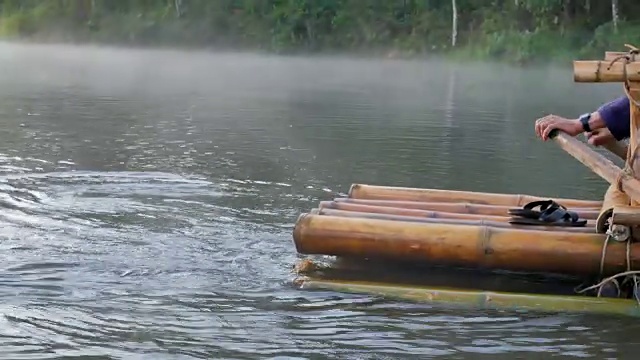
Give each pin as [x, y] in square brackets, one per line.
[467, 229]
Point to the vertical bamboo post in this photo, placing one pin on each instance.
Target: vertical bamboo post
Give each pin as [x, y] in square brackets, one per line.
[633, 161]
[614, 199]
[624, 68]
[633, 92]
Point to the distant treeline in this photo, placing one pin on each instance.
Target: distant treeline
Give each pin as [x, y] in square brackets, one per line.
[517, 30]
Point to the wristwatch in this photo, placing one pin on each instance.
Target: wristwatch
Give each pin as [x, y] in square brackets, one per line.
[584, 120]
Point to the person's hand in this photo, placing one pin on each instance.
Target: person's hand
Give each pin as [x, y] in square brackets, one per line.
[600, 137]
[604, 138]
[545, 124]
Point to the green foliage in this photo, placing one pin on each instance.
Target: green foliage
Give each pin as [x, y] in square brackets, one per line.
[605, 38]
[519, 31]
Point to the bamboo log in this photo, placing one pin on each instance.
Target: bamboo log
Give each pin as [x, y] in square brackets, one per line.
[560, 251]
[626, 215]
[479, 299]
[599, 164]
[589, 229]
[613, 198]
[613, 55]
[416, 212]
[408, 212]
[604, 71]
[374, 192]
[461, 208]
[351, 269]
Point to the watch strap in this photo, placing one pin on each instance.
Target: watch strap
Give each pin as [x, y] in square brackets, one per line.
[584, 120]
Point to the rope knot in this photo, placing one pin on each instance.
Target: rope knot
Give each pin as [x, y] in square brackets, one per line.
[630, 56]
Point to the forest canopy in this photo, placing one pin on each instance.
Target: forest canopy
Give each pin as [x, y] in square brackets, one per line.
[516, 30]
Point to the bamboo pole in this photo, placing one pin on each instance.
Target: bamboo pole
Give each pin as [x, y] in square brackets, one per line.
[626, 215]
[604, 71]
[589, 229]
[613, 55]
[599, 164]
[435, 276]
[634, 139]
[461, 208]
[464, 245]
[612, 199]
[374, 192]
[417, 213]
[408, 212]
[479, 299]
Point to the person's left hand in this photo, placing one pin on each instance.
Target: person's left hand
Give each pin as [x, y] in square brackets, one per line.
[600, 137]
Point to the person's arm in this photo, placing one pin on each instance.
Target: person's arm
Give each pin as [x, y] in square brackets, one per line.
[615, 115]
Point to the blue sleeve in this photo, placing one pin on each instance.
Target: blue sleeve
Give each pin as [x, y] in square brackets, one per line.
[617, 117]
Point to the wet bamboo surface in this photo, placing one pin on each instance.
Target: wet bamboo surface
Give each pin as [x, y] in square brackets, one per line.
[374, 192]
[484, 246]
[480, 299]
[465, 287]
[421, 274]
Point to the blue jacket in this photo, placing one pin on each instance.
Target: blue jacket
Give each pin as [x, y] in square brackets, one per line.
[617, 116]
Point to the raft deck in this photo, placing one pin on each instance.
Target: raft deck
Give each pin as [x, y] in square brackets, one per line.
[409, 224]
[433, 227]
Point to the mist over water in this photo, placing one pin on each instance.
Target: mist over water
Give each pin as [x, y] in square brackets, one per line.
[149, 196]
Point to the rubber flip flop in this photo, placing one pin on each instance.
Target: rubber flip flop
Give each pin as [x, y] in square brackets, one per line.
[552, 217]
[527, 211]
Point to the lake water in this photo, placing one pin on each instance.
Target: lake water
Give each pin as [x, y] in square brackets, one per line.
[149, 197]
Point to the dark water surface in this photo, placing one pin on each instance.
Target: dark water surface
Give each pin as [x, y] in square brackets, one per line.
[149, 196]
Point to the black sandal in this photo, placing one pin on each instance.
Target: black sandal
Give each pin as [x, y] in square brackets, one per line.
[552, 216]
[528, 211]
